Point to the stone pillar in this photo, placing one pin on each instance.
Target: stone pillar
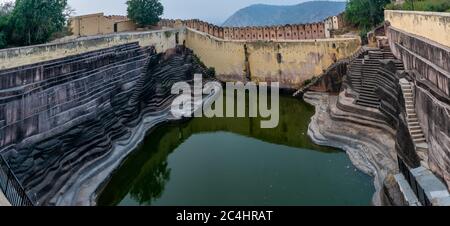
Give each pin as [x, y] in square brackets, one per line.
[301, 32]
[294, 30]
[288, 32]
[308, 31]
[280, 33]
[273, 33]
[321, 29]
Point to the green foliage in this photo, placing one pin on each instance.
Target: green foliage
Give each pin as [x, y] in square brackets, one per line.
[3, 41]
[5, 11]
[211, 72]
[34, 21]
[422, 5]
[365, 14]
[145, 12]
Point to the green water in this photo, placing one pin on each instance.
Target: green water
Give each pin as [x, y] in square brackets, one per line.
[232, 161]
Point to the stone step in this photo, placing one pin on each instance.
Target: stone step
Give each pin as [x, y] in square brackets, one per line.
[407, 91]
[368, 98]
[417, 136]
[408, 95]
[368, 102]
[413, 124]
[415, 127]
[368, 89]
[412, 118]
[419, 140]
[368, 94]
[416, 132]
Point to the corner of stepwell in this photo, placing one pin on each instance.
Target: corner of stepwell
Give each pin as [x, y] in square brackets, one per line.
[392, 110]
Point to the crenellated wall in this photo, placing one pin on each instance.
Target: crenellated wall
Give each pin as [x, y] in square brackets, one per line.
[319, 30]
[289, 62]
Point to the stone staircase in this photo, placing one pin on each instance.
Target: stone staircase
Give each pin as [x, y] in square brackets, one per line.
[364, 75]
[414, 127]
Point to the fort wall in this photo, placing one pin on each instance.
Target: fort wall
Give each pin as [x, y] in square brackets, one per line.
[319, 30]
[290, 62]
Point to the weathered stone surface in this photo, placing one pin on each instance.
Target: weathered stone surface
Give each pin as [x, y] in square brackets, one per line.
[391, 193]
[89, 112]
[371, 149]
[428, 64]
[374, 128]
[433, 108]
[3, 200]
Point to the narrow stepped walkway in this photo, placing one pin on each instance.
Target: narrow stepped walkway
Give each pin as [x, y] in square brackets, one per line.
[414, 127]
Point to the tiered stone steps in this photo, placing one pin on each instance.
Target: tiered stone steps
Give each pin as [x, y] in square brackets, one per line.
[131, 91]
[363, 76]
[387, 54]
[414, 127]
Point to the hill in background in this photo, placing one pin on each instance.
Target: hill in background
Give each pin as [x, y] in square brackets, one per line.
[266, 15]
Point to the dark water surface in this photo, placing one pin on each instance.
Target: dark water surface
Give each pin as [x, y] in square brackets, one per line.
[232, 161]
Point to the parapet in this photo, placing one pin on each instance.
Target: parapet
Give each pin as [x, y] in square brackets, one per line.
[318, 30]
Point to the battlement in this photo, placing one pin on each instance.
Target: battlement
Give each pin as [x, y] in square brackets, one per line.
[319, 30]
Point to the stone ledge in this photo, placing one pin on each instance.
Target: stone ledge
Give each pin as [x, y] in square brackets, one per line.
[406, 190]
[3, 200]
[424, 13]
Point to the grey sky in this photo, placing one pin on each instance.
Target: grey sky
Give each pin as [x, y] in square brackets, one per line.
[215, 11]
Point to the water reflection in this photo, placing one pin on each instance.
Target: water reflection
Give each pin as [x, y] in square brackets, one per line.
[231, 161]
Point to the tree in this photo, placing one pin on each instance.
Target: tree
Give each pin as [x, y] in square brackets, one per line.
[365, 14]
[145, 12]
[5, 11]
[6, 8]
[34, 21]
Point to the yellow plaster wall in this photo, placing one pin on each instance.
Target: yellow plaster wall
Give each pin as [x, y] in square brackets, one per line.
[14, 57]
[431, 25]
[300, 60]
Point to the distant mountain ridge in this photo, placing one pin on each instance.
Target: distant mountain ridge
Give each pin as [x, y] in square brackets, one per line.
[267, 15]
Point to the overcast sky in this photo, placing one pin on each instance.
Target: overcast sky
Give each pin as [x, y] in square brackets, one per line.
[215, 11]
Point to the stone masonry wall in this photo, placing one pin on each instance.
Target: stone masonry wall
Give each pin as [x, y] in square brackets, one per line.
[319, 30]
[289, 62]
[161, 40]
[420, 40]
[40, 99]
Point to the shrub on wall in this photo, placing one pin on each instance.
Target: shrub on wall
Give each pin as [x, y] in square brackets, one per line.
[365, 14]
[422, 5]
[5, 11]
[145, 12]
[3, 42]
